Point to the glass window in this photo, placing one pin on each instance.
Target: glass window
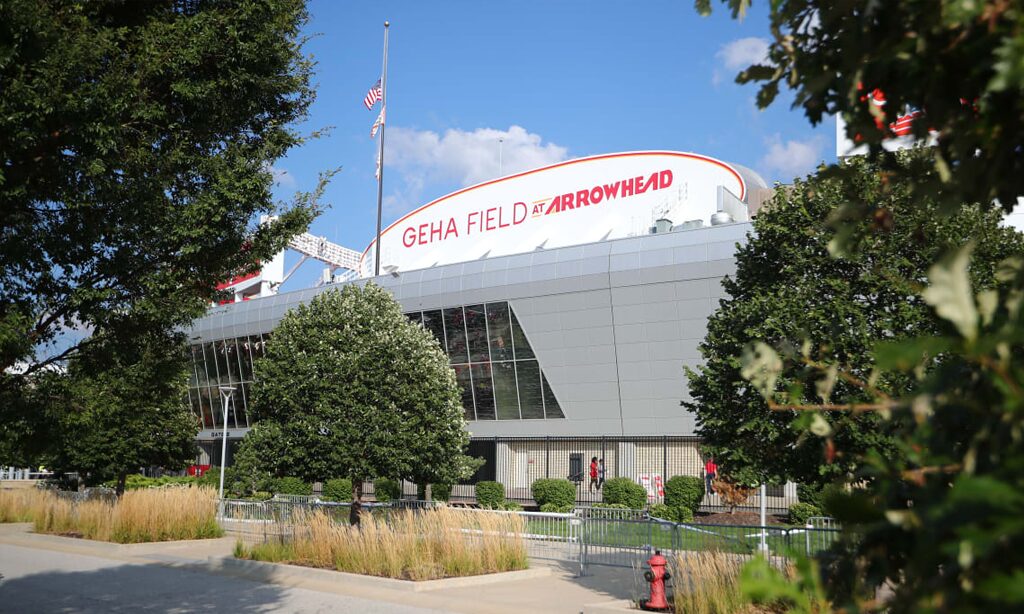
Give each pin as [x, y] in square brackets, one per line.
[209, 364]
[523, 349]
[466, 384]
[455, 332]
[230, 353]
[476, 332]
[239, 356]
[499, 331]
[483, 391]
[432, 322]
[193, 402]
[551, 407]
[242, 400]
[531, 400]
[415, 316]
[245, 357]
[194, 374]
[505, 396]
[223, 372]
[207, 407]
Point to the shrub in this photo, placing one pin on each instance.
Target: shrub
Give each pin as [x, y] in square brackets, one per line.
[262, 495]
[684, 491]
[385, 490]
[809, 494]
[556, 509]
[338, 489]
[662, 512]
[441, 492]
[291, 486]
[510, 506]
[490, 494]
[613, 506]
[554, 491]
[626, 492]
[800, 512]
[670, 513]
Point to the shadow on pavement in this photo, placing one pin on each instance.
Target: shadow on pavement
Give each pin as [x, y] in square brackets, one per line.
[135, 588]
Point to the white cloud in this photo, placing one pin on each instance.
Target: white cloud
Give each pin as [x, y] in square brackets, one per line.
[743, 52]
[424, 157]
[282, 176]
[785, 160]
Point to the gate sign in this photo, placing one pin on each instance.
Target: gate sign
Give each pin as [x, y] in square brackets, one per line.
[569, 203]
[654, 486]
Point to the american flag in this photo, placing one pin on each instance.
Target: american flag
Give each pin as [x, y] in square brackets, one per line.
[373, 96]
[377, 124]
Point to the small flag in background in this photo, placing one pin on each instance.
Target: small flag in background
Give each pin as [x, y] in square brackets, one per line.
[377, 124]
[372, 96]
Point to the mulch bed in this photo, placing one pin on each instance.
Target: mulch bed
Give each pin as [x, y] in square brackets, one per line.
[749, 519]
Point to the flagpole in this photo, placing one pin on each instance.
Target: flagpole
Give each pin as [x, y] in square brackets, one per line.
[380, 153]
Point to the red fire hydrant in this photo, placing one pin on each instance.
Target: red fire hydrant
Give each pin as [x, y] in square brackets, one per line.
[657, 576]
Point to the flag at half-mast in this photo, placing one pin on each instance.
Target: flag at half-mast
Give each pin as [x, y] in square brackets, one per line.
[373, 96]
[377, 124]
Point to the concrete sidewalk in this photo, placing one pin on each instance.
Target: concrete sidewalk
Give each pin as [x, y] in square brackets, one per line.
[46, 573]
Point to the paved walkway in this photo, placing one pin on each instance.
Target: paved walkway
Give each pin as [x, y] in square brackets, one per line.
[45, 574]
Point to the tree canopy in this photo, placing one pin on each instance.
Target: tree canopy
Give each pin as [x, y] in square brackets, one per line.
[349, 387]
[123, 407]
[939, 523]
[135, 148]
[788, 290]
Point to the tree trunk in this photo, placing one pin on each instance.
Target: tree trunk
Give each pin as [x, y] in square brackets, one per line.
[121, 478]
[357, 502]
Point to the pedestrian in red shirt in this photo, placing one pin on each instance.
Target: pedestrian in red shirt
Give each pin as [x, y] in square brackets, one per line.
[593, 474]
[710, 473]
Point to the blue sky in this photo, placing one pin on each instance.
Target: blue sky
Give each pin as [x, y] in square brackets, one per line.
[553, 80]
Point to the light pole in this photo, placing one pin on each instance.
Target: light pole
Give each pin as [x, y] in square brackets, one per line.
[225, 398]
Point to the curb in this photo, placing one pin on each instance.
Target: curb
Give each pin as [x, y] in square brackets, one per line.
[281, 573]
[21, 534]
[610, 607]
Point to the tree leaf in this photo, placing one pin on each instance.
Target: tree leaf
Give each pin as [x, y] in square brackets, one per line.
[950, 292]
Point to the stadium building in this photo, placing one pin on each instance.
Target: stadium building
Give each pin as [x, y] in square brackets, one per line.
[568, 298]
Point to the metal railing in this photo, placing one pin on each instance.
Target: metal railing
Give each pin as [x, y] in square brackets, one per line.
[585, 537]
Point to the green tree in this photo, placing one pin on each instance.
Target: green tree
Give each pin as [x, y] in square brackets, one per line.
[123, 407]
[788, 290]
[136, 143]
[940, 522]
[349, 387]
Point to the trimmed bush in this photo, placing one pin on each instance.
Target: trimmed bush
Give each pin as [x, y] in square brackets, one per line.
[490, 494]
[554, 491]
[613, 506]
[386, 490]
[510, 506]
[683, 514]
[684, 491]
[338, 489]
[661, 511]
[624, 491]
[800, 512]
[672, 514]
[441, 492]
[809, 494]
[290, 486]
[556, 509]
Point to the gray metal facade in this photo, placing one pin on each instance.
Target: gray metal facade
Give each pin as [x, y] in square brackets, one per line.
[612, 323]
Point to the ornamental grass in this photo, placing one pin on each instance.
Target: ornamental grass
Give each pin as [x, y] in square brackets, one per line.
[708, 583]
[21, 504]
[138, 516]
[427, 545]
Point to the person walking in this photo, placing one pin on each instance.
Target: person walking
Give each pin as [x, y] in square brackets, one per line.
[710, 473]
[600, 474]
[593, 474]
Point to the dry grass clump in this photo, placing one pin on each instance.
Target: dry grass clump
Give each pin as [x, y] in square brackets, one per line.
[21, 504]
[427, 545]
[138, 516]
[707, 583]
